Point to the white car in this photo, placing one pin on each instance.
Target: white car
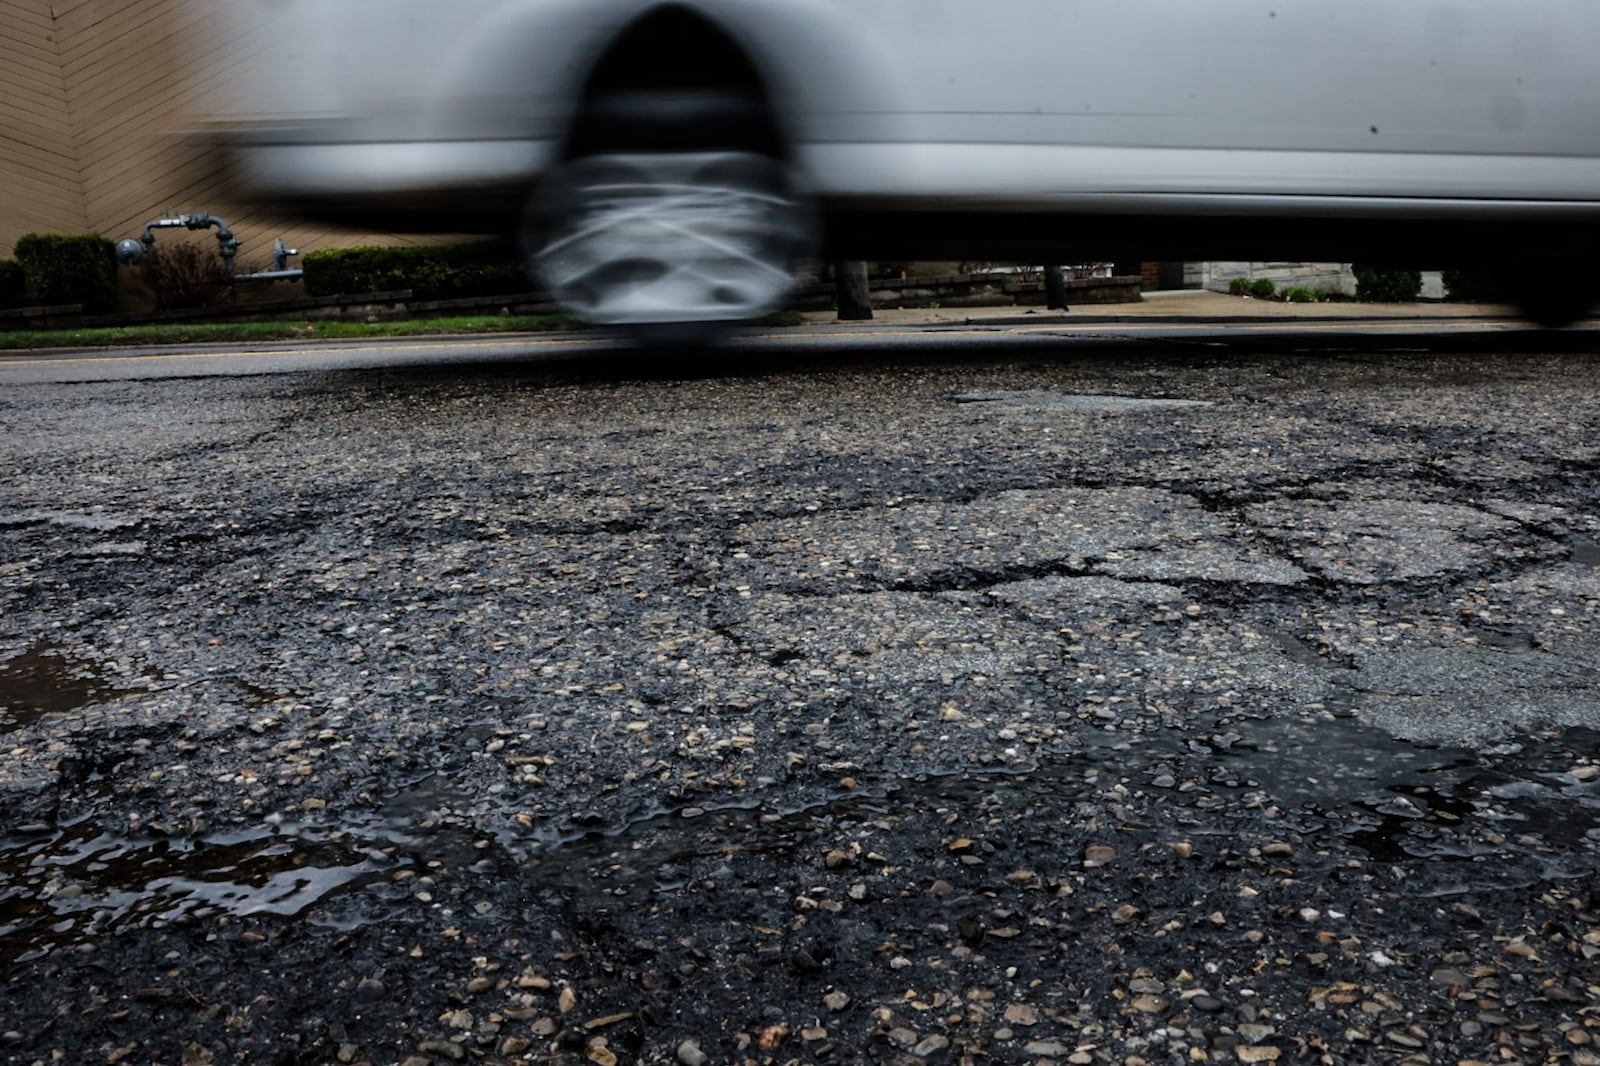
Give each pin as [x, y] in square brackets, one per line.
[668, 162]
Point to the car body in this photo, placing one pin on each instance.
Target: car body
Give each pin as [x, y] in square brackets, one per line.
[618, 136]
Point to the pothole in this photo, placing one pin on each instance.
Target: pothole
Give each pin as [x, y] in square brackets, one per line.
[1524, 814]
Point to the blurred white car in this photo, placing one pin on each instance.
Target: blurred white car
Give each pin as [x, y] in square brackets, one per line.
[667, 162]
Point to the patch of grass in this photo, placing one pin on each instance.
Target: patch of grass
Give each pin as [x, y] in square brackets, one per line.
[257, 332]
[780, 319]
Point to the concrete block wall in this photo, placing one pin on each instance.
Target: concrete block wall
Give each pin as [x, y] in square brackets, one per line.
[1318, 277]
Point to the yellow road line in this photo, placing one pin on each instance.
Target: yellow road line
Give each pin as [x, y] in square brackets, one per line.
[15, 360]
[975, 330]
[1438, 324]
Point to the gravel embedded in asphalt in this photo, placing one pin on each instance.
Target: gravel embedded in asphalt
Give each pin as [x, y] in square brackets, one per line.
[941, 711]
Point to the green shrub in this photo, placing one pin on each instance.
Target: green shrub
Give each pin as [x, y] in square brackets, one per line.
[1380, 285]
[1262, 289]
[1488, 286]
[76, 268]
[446, 272]
[13, 285]
[1239, 287]
[1297, 294]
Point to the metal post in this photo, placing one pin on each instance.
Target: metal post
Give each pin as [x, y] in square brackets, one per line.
[850, 291]
[1055, 287]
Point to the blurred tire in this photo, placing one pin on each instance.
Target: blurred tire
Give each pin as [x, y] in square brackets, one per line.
[671, 210]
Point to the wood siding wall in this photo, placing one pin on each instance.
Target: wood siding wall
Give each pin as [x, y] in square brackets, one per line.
[40, 183]
[93, 95]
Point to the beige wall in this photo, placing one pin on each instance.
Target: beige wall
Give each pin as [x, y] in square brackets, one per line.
[92, 95]
[40, 182]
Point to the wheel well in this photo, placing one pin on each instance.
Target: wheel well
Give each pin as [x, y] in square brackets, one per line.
[674, 69]
[674, 48]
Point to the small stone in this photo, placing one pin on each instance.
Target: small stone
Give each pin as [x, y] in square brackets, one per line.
[1278, 850]
[1021, 1014]
[689, 1054]
[836, 1001]
[479, 984]
[1207, 1004]
[1183, 849]
[1098, 855]
[601, 1055]
[446, 1048]
[1257, 1053]
[930, 1045]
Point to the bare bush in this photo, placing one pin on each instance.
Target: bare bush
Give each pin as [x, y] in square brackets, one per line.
[186, 275]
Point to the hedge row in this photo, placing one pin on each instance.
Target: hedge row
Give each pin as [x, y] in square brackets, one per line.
[13, 285]
[52, 268]
[447, 272]
[1387, 286]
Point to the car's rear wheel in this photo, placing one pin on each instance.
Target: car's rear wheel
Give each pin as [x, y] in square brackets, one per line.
[1557, 302]
[673, 215]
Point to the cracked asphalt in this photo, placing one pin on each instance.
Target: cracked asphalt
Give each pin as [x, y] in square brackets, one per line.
[1029, 700]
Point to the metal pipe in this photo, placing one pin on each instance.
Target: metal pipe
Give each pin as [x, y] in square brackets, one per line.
[227, 243]
[130, 251]
[271, 275]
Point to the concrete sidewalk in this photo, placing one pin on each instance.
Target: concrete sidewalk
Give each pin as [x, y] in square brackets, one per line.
[1186, 305]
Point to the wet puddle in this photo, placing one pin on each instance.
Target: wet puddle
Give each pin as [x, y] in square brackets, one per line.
[1585, 552]
[1400, 802]
[45, 680]
[64, 889]
[1329, 778]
